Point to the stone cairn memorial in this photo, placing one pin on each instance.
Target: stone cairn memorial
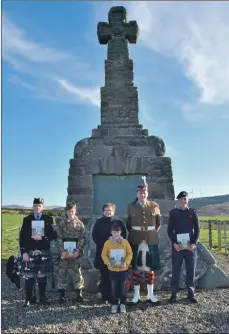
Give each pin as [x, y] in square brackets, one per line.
[108, 166]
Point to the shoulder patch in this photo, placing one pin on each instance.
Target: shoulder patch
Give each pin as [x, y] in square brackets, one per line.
[80, 222]
[154, 204]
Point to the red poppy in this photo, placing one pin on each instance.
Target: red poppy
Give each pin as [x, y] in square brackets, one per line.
[76, 227]
[190, 217]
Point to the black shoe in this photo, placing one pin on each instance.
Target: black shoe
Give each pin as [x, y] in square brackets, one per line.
[173, 298]
[33, 300]
[102, 301]
[192, 299]
[149, 301]
[27, 303]
[44, 301]
[62, 299]
[135, 304]
[79, 297]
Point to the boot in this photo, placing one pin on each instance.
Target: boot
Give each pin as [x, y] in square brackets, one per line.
[193, 300]
[33, 300]
[79, 297]
[29, 283]
[43, 298]
[150, 296]
[191, 296]
[173, 298]
[136, 297]
[62, 299]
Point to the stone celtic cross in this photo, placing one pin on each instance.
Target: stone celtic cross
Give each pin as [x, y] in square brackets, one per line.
[117, 33]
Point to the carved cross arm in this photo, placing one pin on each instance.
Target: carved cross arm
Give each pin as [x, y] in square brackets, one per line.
[103, 32]
[132, 31]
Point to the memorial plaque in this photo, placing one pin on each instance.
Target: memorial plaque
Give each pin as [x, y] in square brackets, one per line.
[120, 190]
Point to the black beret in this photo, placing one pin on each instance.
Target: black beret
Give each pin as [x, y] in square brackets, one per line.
[142, 187]
[38, 201]
[182, 194]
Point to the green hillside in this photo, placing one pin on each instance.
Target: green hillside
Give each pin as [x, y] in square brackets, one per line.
[197, 203]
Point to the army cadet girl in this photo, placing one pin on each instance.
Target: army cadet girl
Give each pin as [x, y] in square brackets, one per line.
[39, 243]
[71, 240]
[143, 223]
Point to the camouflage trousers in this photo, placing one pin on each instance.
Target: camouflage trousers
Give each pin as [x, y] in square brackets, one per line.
[69, 270]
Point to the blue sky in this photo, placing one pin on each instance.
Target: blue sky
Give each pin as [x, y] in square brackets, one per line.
[53, 67]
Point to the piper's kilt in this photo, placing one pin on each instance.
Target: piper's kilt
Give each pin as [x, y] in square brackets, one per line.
[38, 266]
[154, 255]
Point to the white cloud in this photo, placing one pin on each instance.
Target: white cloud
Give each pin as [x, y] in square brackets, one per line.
[40, 64]
[15, 43]
[15, 80]
[91, 95]
[196, 34]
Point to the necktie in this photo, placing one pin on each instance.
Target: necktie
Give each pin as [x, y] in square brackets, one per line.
[38, 217]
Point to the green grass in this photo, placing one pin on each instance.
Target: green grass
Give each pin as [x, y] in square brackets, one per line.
[204, 238]
[221, 218]
[10, 234]
[11, 223]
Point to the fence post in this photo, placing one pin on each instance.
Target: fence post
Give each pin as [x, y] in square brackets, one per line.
[210, 233]
[19, 250]
[225, 236]
[219, 235]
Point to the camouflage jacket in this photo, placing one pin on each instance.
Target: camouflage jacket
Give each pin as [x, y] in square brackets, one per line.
[70, 230]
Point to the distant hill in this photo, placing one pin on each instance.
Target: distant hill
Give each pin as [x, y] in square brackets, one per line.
[198, 203]
[19, 207]
[206, 206]
[221, 209]
[211, 206]
[14, 206]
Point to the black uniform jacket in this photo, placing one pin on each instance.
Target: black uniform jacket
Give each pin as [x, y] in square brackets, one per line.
[183, 221]
[27, 243]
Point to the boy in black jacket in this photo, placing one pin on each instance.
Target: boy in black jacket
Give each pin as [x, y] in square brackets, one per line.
[183, 224]
[35, 245]
[100, 234]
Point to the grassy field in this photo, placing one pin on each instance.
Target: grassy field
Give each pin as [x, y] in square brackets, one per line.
[11, 223]
[10, 233]
[220, 218]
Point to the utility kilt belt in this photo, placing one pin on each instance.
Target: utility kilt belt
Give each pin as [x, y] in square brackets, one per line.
[40, 262]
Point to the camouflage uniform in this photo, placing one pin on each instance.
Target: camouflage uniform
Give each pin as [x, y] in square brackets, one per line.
[73, 230]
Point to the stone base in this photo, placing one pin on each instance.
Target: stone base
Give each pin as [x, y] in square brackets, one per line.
[213, 278]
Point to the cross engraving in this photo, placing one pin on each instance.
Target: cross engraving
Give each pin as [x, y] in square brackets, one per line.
[117, 33]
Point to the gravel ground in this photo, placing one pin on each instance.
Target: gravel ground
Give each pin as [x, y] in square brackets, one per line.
[210, 315]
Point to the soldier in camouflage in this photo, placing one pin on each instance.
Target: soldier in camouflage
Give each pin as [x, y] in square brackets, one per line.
[70, 229]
